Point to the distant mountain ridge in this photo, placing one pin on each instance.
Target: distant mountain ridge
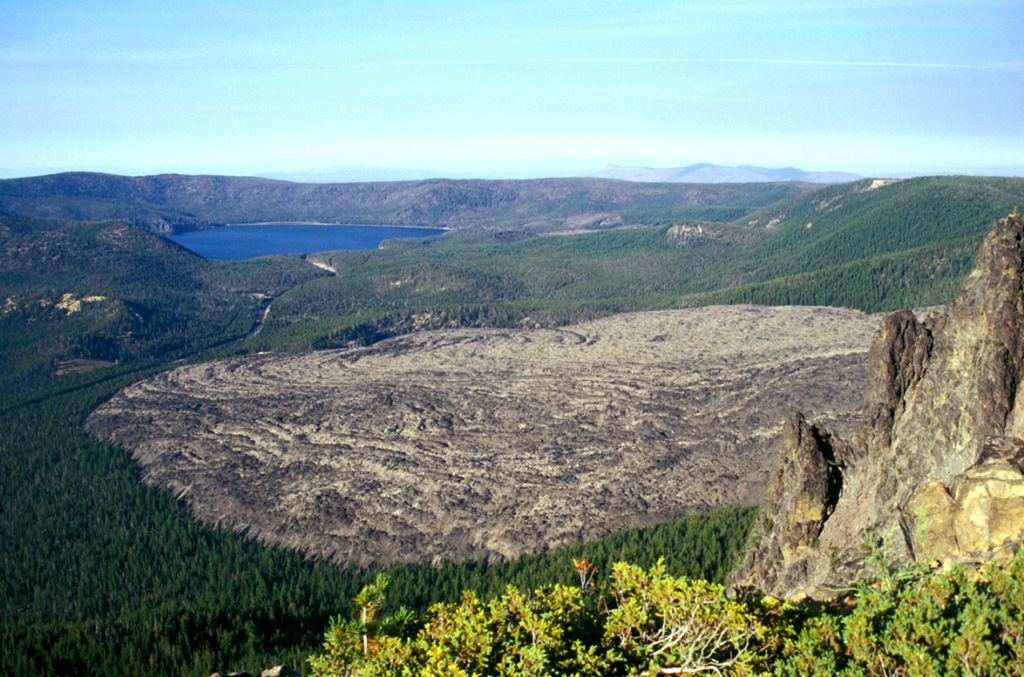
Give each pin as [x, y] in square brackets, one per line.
[170, 203]
[705, 172]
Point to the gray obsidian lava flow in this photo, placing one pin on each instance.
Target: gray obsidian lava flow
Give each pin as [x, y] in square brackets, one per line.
[490, 443]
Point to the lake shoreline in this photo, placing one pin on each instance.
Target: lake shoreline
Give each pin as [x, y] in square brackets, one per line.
[241, 241]
[335, 225]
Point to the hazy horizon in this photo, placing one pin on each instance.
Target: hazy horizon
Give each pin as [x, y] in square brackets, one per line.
[517, 89]
[507, 171]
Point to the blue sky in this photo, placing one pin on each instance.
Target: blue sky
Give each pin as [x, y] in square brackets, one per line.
[524, 87]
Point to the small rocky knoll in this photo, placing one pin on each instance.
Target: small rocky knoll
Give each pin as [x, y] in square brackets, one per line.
[936, 468]
[278, 671]
[491, 443]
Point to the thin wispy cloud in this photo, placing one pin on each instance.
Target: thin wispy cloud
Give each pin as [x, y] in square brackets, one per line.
[187, 62]
[755, 81]
[597, 61]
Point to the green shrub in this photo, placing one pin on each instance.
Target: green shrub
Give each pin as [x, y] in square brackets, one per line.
[917, 623]
[648, 623]
[911, 621]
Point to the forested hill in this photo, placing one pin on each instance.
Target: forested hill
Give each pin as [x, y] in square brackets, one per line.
[172, 203]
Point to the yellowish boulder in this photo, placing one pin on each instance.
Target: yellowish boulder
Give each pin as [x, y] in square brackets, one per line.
[978, 517]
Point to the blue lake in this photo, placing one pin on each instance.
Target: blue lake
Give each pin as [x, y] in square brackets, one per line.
[233, 243]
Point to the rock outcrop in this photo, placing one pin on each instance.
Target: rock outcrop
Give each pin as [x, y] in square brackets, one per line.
[976, 516]
[936, 466]
[277, 671]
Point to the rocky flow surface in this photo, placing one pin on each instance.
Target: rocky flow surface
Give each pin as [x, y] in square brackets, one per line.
[490, 443]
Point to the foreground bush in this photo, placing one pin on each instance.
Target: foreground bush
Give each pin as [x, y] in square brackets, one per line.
[916, 623]
[647, 623]
[910, 622]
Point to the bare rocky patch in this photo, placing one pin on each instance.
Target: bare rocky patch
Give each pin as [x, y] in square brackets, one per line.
[490, 443]
[81, 365]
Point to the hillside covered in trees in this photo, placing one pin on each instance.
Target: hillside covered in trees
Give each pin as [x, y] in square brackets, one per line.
[104, 575]
[173, 203]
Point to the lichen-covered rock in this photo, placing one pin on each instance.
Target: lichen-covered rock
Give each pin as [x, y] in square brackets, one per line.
[276, 671]
[814, 476]
[919, 474]
[896, 362]
[280, 671]
[978, 517]
[804, 485]
[968, 390]
[927, 519]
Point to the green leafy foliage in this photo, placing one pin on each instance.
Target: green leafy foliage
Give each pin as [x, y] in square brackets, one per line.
[915, 622]
[909, 621]
[679, 626]
[649, 623]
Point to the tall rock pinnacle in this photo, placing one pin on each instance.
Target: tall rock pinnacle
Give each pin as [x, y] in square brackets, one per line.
[935, 471]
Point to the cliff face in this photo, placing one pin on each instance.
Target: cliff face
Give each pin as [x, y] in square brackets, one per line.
[936, 466]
